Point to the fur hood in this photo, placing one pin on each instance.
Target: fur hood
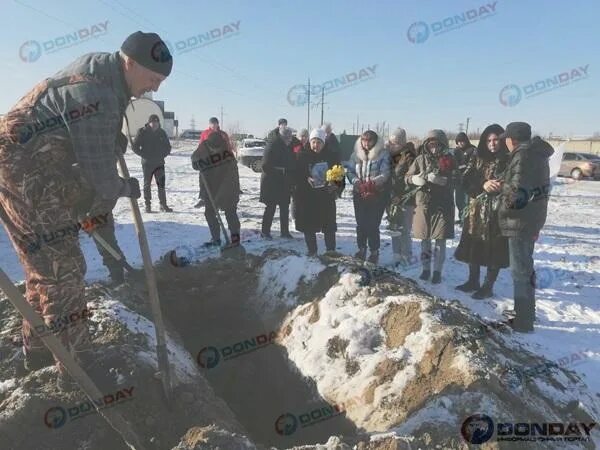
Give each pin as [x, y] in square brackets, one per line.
[375, 153]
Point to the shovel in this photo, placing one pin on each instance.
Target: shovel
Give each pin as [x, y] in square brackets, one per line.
[228, 250]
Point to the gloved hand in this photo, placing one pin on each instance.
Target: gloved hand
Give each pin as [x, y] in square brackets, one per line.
[437, 179]
[134, 188]
[418, 180]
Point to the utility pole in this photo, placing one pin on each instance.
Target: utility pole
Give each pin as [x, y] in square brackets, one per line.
[460, 127]
[322, 103]
[467, 129]
[221, 122]
[308, 111]
[357, 125]
[193, 123]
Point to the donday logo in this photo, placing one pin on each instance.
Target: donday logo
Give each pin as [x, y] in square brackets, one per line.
[418, 32]
[208, 357]
[477, 429]
[298, 95]
[286, 424]
[510, 95]
[30, 51]
[55, 417]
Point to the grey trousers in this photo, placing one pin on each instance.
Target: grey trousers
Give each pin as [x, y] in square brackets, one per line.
[401, 240]
[438, 256]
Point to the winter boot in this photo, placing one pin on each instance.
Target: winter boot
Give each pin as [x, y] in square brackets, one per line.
[165, 208]
[286, 235]
[117, 275]
[472, 284]
[266, 236]
[361, 254]
[485, 291]
[425, 275]
[148, 207]
[374, 257]
[437, 277]
[212, 243]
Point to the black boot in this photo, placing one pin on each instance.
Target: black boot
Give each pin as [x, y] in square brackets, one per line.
[311, 243]
[148, 207]
[425, 275]
[437, 277]
[117, 275]
[472, 283]
[487, 289]
[374, 257]
[361, 254]
[165, 208]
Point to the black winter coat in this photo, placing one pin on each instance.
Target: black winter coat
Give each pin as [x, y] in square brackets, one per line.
[315, 207]
[526, 189]
[152, 145]
[481, 242]
[277, 178]
[220, 170]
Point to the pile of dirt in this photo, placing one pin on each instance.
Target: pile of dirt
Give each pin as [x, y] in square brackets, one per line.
[283, 351]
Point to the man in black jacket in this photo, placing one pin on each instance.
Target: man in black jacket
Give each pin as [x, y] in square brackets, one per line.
[522, 213]
[152, 144]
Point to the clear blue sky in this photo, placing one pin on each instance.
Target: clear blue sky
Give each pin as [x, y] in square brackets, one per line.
[434, 84]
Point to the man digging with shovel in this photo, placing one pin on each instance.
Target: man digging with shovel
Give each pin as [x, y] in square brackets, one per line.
[72, 118]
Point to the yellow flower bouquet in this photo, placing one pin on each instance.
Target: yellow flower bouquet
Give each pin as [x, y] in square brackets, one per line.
[335, 175]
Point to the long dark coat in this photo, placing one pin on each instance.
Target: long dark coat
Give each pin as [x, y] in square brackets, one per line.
[315, 207]
[278, 165]
[219, 167]
[481, 241]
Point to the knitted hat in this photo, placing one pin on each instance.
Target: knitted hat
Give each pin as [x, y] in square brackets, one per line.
[399, 136]
[153, 118]
[149, 50]
[439, 135]
[318, 133]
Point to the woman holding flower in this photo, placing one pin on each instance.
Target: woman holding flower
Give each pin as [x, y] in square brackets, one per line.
[319, 180]
[369, 175]
[430, 174]
[481, 242]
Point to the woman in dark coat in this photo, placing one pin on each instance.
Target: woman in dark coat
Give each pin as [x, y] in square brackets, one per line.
[431, 176]
[217, 164]
[315, 206]
[277, 180]
[481, 243]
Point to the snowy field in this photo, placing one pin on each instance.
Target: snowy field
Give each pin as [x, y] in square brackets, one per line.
[567, 258]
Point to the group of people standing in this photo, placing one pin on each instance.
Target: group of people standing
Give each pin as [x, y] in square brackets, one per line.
[500, 188]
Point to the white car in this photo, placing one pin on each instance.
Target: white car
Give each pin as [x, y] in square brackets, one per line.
[250, 153]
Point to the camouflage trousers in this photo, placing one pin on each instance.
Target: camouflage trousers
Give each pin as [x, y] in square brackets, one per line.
[37, 199]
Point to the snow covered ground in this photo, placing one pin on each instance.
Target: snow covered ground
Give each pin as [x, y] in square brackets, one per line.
[566, 257]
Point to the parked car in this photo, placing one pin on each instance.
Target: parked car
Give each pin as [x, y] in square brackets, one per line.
[190, 135]
[250, 153]
[579, 165]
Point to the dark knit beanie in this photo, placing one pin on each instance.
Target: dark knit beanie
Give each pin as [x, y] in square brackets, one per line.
[150, 51]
